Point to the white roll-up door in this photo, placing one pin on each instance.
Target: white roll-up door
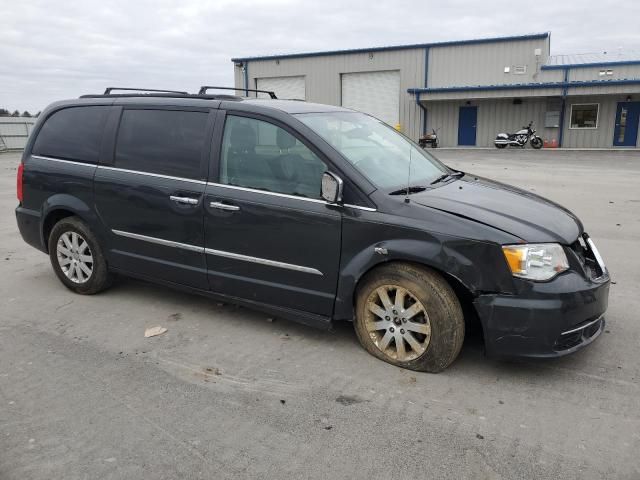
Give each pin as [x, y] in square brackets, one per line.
[375, 93]
[284, 87]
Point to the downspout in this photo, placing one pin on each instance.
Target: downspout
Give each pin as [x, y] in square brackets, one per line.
[245, 69]
[426, 82]
[565, 89]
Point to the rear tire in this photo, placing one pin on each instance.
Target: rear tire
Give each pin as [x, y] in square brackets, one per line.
[77, 258]
[501, 145]
[410, 317]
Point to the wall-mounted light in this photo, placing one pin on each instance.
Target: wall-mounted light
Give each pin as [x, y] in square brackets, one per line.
[628, 98]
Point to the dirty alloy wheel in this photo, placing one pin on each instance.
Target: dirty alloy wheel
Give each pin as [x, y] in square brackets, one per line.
[410, 317]
[77, 258]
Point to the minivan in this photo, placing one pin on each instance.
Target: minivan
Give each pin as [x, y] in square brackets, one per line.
[310, 212]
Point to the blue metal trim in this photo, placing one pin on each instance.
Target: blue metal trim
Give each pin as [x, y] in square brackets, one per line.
[517, 86]
[246, 78]
[534, 36]
[588, 65]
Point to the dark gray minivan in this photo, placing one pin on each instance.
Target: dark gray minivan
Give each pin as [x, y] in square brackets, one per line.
[311, 212]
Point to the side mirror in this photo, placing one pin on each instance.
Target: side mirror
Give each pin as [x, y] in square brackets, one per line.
[331, 188]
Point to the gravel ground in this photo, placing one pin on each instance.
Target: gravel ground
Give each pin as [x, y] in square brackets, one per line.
[228, 393]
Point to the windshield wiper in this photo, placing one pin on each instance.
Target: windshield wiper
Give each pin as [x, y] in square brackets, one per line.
[447, 176]
[409, 190]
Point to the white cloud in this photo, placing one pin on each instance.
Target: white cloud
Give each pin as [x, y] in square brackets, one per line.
[53, 50]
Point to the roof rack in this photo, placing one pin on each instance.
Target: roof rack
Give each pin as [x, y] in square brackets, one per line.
[203, 90]
[108, 90]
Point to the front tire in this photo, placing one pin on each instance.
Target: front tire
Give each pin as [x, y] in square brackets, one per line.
[536, 142]
[410, 317]
[77, 258]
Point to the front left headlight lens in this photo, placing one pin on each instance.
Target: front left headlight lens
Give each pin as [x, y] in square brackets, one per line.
[539, 261]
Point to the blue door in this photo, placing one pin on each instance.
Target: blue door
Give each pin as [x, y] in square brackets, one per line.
[467, 125]
[626, 132]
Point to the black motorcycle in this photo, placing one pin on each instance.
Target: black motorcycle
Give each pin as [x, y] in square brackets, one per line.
[519, 139]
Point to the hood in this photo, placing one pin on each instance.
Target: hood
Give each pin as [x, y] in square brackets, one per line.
[523, 214]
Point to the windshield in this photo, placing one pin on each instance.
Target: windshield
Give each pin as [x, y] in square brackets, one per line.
[379, 152]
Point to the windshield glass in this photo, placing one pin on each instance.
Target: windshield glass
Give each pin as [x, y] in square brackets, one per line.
[379, 152]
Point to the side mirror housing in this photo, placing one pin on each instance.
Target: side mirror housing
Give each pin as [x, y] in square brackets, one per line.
[331, 188]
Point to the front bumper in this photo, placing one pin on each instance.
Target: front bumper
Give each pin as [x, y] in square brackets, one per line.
[548, 319]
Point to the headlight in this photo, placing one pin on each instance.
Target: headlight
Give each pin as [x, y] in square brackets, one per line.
[540, 261]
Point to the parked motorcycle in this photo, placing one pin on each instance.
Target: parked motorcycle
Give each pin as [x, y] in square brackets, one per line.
[429, 139]
[519, 139]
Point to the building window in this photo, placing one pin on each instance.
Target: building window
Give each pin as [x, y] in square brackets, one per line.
[608, 73]
[519, 69]
[584, 115]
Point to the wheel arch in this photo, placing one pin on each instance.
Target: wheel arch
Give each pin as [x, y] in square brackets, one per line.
[61, 206]
[463, 274]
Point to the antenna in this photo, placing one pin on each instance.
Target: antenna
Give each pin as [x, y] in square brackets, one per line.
[406, 197]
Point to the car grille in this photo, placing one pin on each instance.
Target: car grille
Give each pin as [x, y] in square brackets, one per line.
[587, 258]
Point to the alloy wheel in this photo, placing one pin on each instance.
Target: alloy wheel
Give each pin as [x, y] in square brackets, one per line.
[397, 322]
[74, 257]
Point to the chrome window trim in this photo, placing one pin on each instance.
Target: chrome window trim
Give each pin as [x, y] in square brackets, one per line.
[262, 261]
[265, 192]
[159, 241]
[62, 160]
[285, 195]
[149, 174]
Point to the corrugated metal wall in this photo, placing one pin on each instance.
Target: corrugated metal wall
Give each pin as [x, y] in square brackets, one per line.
[14, 132]
[494, 116]
[483, 64]
[323, 77]
[600, 137]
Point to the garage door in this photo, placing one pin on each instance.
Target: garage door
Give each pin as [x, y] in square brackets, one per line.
[375, 93]
[285, 87]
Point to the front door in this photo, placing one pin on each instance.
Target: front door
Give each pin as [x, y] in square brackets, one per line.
[269, 237]
[626, 132]
[467, 125]
[149, 194]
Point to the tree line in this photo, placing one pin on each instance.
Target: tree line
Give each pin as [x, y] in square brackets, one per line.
[6, 113]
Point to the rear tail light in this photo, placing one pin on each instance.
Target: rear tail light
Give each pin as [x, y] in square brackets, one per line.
[19, 182]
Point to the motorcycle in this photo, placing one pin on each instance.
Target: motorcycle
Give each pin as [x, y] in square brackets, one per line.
[429, 139]
[519, 139]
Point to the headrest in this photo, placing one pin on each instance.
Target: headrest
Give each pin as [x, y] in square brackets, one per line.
[243, 137]
[284, 139]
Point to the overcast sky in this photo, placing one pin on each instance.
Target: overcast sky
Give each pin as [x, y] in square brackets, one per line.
[50, 50]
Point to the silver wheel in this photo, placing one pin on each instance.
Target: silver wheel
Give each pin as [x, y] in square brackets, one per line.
[397, 323]
[74, 257]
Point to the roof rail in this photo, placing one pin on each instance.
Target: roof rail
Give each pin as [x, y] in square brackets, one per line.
[204, 89]
[108, 90]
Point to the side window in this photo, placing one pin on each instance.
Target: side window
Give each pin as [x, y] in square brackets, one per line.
[258, 154]
[167, 142]
[72, 133]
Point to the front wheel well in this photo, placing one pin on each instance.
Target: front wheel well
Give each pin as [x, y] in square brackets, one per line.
[464, 295]
[49, 222]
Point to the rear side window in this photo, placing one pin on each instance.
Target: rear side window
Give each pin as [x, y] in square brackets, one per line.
[73, 133]
[165, 142]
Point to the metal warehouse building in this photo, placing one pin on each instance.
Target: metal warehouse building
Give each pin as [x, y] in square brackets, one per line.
[469, 90]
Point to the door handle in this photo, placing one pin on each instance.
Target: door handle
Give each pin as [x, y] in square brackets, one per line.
[224, 206]
[185, 200]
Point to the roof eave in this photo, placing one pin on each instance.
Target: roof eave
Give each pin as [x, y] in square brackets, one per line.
[533, 36]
